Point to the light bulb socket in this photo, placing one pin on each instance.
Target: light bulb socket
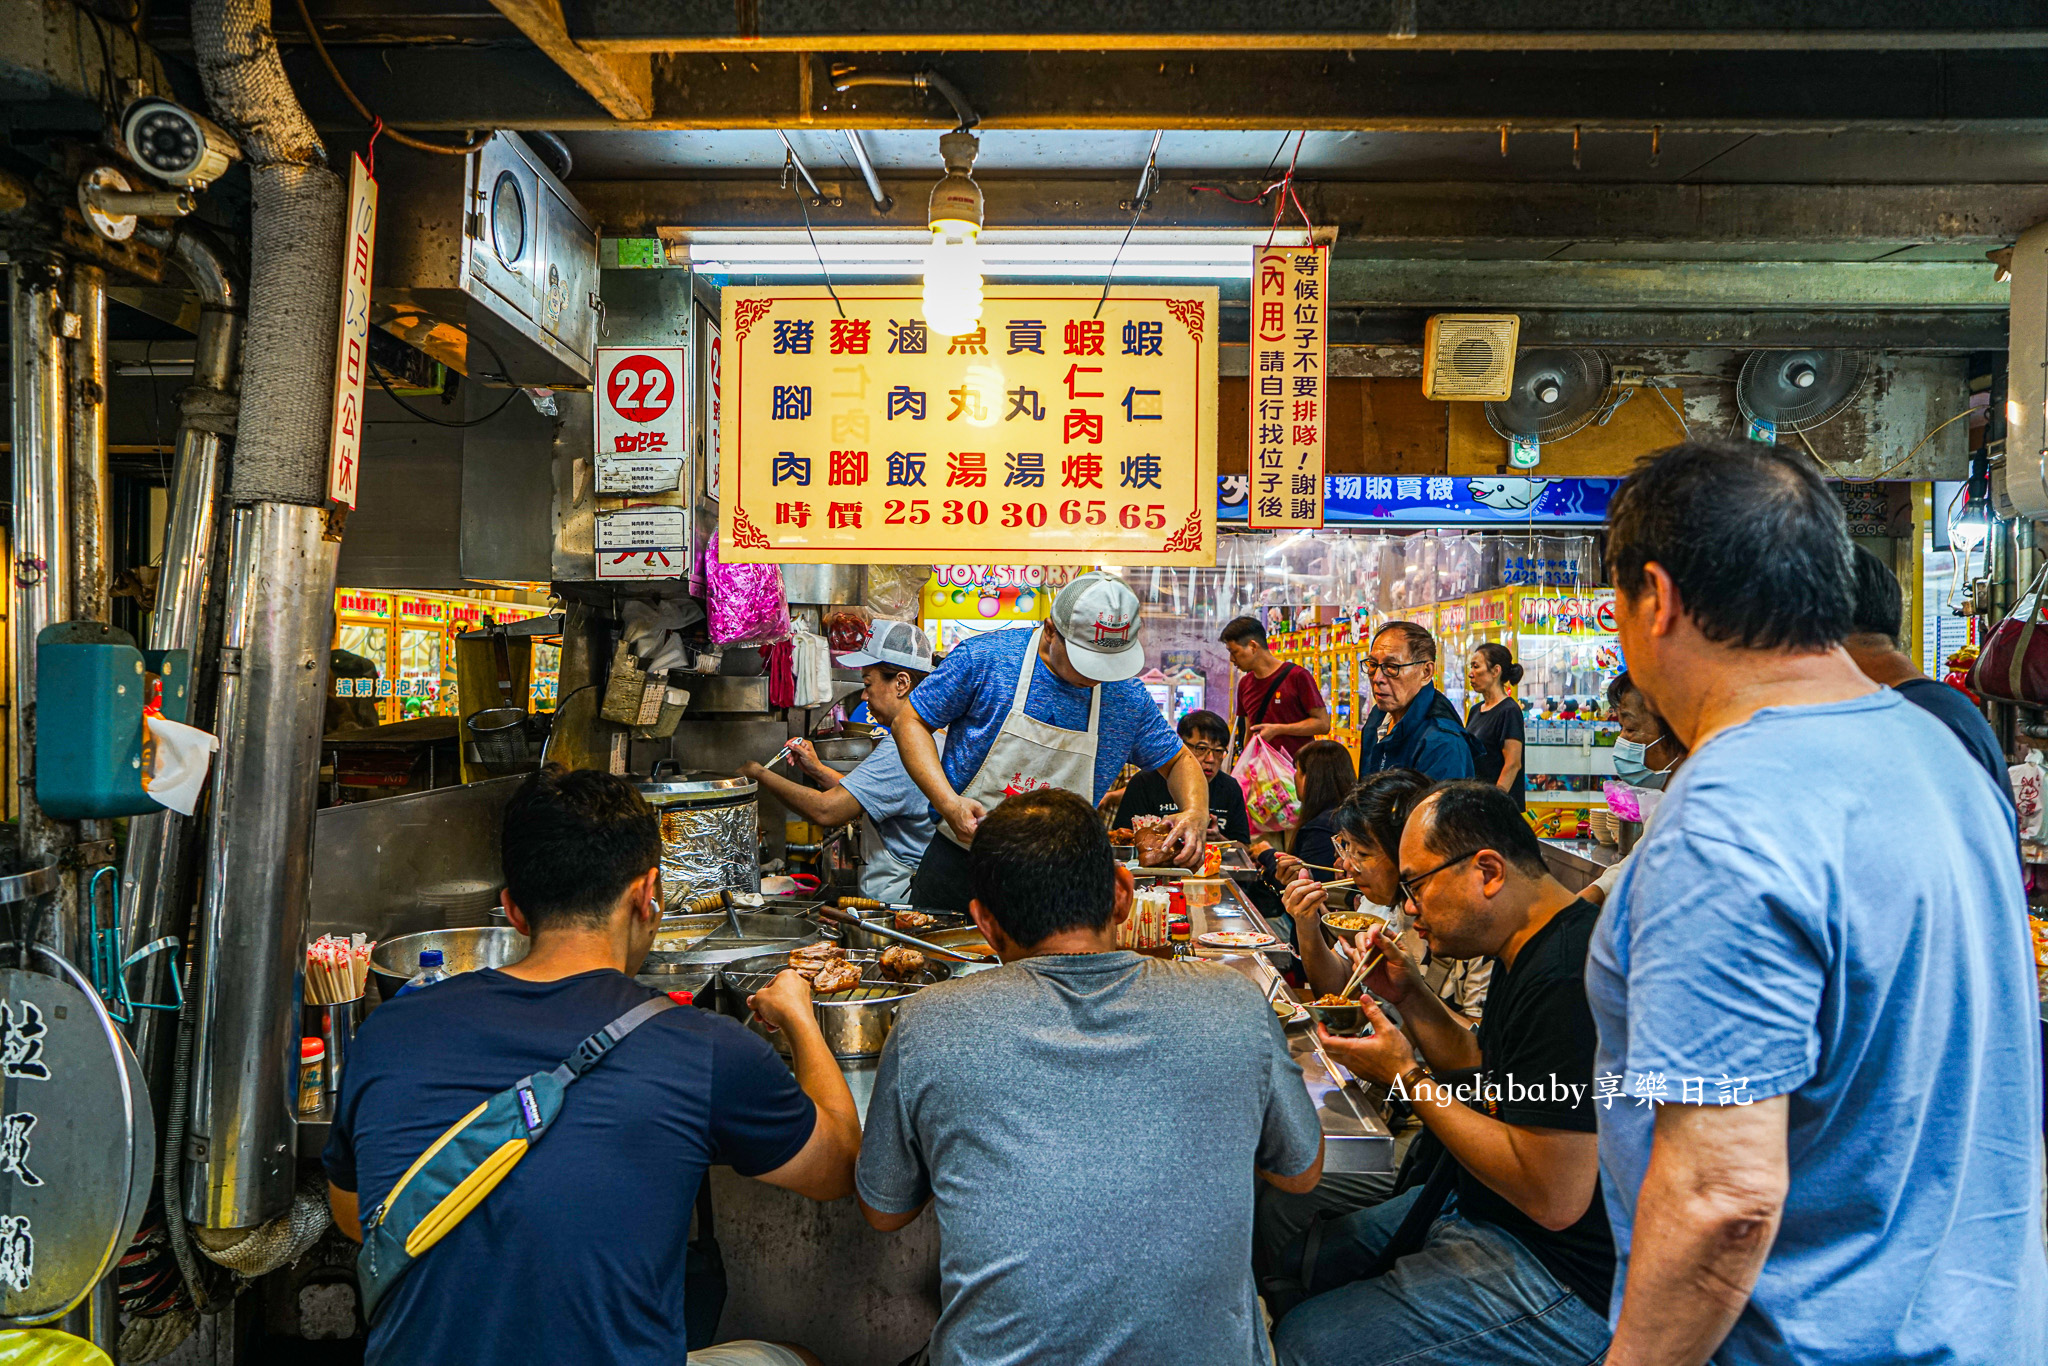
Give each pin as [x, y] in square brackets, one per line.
[956, 199]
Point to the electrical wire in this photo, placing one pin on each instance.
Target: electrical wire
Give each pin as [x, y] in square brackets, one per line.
[1148, 180]
[442, 421]
[807, 229]
[404, 139]
[1907, 458]
[1659, 392]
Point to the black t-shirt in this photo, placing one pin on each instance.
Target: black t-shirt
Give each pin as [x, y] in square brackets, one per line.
[1538, 1031]
[1952, 709]
[1148, 795]
[577, 1255]
[1493, 727]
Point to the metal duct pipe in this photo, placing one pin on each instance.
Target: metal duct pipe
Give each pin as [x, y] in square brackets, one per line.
[867, 171]
[275, 637]
[86, 398]
[153, 878]
[41, 555]
[279, 621]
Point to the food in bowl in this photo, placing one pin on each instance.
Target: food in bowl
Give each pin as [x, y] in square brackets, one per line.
[1349, 921]
[1283, 1007]
[1331, 999]
[915, 920]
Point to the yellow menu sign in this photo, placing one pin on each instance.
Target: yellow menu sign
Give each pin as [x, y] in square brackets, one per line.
[1050, 435]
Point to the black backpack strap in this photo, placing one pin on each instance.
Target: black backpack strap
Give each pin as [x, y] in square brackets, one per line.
[1258, 715]
[592, 1050]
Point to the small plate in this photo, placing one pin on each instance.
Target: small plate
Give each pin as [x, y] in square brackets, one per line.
[1236, 939]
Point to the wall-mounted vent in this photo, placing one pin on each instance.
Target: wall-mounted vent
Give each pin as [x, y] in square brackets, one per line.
[1469, 357]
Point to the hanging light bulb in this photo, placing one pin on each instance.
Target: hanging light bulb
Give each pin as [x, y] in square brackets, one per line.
[952, 267]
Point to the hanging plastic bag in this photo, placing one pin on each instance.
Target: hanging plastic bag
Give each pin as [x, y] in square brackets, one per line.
[896, 591]
[744, 601]
[175, 758]
[1267, 776]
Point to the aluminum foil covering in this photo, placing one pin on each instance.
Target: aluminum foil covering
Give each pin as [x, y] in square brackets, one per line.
[707, 849]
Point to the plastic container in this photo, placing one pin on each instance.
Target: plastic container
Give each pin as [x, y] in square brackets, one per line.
[312, 1073]
[430, 972]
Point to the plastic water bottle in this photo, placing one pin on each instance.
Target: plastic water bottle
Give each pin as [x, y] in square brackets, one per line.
[430, 972]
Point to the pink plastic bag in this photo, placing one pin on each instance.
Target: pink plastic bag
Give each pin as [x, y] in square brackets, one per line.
[1267, 776]
[743, 602]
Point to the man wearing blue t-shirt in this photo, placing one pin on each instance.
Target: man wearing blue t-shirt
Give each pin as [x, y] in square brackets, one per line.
[1821, 1096]
[577, 1254]
[1058, 706]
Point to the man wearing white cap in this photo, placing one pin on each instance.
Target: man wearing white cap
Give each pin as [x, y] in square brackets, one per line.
[896, 658]
[1054, 707]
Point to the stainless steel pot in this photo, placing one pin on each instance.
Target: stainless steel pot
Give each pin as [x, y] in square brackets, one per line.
[394, 962]
[710, 834]
[855, 1023]
[824, 584]
[848, 749]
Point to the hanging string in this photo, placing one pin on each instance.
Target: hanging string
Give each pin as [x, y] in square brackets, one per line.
[370, 152]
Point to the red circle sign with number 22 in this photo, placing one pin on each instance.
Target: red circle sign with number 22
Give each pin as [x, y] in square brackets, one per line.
[641, 388]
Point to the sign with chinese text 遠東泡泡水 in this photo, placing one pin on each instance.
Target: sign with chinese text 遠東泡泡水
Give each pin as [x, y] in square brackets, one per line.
[1049, 435]
[1289, 390]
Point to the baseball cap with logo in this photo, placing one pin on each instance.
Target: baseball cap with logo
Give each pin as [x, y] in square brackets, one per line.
[889, 644]
[1098, 618]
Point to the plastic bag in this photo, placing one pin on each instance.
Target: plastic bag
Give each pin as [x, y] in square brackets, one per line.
[896, 591]
[48, 1347]
[1267, 776]
[744, 601]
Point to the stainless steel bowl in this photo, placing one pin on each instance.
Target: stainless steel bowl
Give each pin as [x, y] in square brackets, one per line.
[855, 1023]
[395, 961]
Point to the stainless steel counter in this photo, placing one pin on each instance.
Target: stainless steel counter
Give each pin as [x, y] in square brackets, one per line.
[1355, 1137]
[1577, 863]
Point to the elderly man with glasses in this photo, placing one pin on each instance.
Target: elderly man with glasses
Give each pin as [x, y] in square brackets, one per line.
[1519, 1268]
[1411, 724]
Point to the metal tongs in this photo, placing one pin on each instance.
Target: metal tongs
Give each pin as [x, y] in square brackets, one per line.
[832, 915]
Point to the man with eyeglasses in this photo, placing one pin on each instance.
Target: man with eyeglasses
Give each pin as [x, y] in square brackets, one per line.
[1411, 724]
[1207, 737]
[1518, 1269]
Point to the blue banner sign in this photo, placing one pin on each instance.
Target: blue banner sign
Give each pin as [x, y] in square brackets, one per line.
[1442, 500]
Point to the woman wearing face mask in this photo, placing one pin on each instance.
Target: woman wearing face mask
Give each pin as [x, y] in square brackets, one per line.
[1646, 756]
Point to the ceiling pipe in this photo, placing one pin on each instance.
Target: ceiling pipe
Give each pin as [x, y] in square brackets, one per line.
[845, 78]
[275, 633]
[867, 171]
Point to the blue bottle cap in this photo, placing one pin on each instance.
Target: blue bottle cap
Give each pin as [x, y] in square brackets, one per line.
[430, 958]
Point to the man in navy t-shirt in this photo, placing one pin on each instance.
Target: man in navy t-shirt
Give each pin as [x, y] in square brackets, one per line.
[577, 1255]
[1873, 643]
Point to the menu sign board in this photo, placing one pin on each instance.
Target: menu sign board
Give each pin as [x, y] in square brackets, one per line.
[1289, 398]
[1052, 434]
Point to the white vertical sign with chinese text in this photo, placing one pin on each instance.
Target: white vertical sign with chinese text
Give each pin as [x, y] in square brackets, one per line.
[352, 352]
[1289, 386]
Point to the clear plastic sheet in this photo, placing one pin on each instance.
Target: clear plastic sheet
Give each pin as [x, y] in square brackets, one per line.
[706, 849]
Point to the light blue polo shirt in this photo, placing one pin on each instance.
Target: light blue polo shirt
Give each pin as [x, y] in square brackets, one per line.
[1829, 908]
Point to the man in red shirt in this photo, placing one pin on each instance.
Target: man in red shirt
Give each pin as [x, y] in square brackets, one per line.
[1276, 700]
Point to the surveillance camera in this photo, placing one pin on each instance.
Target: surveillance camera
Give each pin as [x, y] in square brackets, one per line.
[175, 144]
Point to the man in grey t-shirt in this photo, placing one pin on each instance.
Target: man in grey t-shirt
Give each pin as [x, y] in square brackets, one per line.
[1087, 1121]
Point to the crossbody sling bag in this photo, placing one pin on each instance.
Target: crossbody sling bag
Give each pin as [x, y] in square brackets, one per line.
[468, 1161]
[1258, 715]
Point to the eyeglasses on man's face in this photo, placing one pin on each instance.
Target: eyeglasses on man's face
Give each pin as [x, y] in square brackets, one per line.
[1202, 749]
[1409, 885]
[1376, 667]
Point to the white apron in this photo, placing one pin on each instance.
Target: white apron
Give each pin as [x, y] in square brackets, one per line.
[1030, 754]
[884, 877]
